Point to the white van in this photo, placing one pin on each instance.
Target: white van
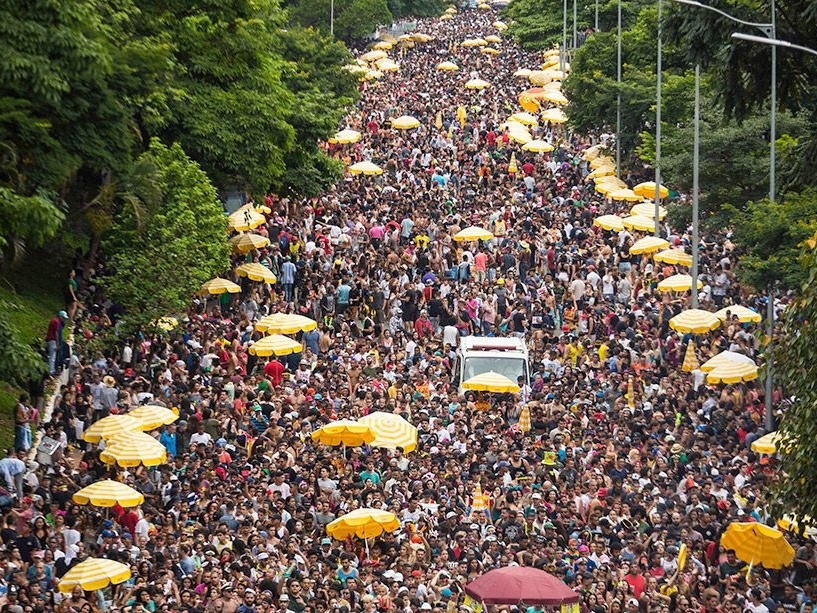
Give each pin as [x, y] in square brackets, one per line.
[480, 354]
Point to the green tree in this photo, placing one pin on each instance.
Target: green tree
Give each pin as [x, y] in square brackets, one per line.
[157, 265]
[323, 94]
[770, 237]
[795, 368]
[354, 19]
[19, 363]
[415, 8]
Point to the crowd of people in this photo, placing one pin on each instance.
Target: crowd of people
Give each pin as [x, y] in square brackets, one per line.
[628, 457]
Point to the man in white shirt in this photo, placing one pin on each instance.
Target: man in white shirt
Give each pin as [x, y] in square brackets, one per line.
[201, 437]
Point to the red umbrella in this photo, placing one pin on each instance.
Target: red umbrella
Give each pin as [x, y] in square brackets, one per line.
[520, 584]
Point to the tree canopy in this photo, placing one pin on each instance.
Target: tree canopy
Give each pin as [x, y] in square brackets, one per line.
[185, 232]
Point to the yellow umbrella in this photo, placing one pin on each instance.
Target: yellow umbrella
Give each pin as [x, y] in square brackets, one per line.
[489, 51]
[363, 523]
[757, 543]
[345, 137]
[522, 72]
[387, 65]
[695, 321]
[725, 358]
[744, 314]
[134, 449]
[373, 56]
[217, 286]
[493, 38]
[500, 25]
[255, 271]
[365, 168]
[648, 190]
[529, 103]
[638, 222]
[767, 444]
[591, 153]
[451, 10]
[690, 359]
[626, 195]
[391, 431]
[152, 416]
[244, 243]
[673, 256]
[479, 504]
[245, 218]
[447, 66]
[477, 84]
[648, 244]
[94, 574]
[344, 432]
[603, 160]
[405, 122]
[491, 382]
[108, 493]
[422, 38]
[525, 119]
[602, 171]
[484, 6]
[285, 323]
[540, 77]
[372, 75]
[446, 17]
[554, 116]
[554, 96]
[736, 372]
[111, 426]
[524, 420]
[609, 222]
[275, 344]
[677, 283]
[383, 45]
[647, 209]
[474, 42]
[165, 323]
[793, 523]
[472, 233]
[519, 134]
[553, 52]
[538, 146]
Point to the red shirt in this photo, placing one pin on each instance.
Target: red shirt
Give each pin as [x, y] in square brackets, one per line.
[275, 371]
[54, 326]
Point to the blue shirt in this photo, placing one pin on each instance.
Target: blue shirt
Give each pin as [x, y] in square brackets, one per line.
[288, 272]
[169, 441]
[343, 293]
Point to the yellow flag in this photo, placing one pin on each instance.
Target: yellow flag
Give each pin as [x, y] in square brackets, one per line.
[438, 121]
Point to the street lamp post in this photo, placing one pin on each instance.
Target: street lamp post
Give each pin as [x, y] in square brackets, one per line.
[769, 421]
[596, 24]
[562, 58]
[658, 130]
[332, 17]
[770, 32]
[618, 96]
[575, 24]
[695, 187]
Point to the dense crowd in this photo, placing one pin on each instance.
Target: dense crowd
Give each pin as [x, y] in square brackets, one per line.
[628, 456]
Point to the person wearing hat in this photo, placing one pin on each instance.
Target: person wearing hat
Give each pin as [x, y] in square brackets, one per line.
[108, 398]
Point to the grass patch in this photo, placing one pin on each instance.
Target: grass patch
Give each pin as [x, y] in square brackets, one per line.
[30, 295]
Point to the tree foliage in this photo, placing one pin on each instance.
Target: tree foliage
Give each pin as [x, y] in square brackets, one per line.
[415, 8]
[354, 19]
[795, 365]
[19, 363]
[155, 267]
[770, 236]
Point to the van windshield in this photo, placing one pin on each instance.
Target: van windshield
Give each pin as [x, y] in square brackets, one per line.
[509, 367]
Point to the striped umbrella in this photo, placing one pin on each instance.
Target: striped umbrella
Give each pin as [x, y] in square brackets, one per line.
[217, 286]
[363, 523]
[491, 382]
[631, 392]
[480, 501]
[725, 358]
[246, 218]
[134, 449]
[111, 426]
[678, 283]
[244, 243]
[107, 493]
[275, 344]
[152, 416]
[524, 420]
[285, 323]
[255, 271]
[94, 574]
[694, 321]
[673, 256]
[744, 314]
[690, 359]
[391, 431]
[734, 372]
